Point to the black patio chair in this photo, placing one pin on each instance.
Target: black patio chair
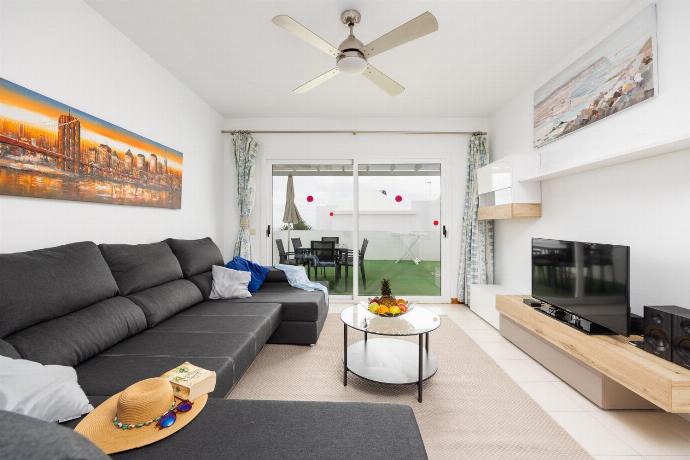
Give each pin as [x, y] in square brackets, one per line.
[335, 239]
[283, 255]
[346, 260]
[302, 254]
[323, 255]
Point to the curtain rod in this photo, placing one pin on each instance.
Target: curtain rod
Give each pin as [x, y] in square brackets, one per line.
[353, 132]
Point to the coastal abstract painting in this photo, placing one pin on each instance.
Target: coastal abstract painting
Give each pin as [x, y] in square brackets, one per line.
[616, 74]
[51, 150]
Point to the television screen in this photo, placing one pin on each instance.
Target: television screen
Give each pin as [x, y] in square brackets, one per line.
[589, 280]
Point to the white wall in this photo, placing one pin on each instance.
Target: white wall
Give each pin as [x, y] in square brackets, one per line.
[67, 51]
[452, 149]
[644, 204]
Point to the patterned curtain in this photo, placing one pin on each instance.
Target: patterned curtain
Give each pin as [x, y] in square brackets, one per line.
[245, 157]
[477, 244]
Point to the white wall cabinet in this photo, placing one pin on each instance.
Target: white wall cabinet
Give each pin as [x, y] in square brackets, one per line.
[502, 195]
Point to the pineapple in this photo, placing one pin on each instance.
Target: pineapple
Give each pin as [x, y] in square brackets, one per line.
[386, 298]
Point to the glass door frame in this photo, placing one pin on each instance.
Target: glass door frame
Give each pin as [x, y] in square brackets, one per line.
[266, 188]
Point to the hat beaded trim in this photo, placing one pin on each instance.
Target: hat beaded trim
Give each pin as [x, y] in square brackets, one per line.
[125, 426]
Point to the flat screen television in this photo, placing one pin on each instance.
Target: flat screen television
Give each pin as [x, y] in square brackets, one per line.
[588, 280]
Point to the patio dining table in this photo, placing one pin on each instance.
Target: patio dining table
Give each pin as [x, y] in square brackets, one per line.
[304, 254]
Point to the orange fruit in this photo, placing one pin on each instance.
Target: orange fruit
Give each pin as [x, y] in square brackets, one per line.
[383, 310]
[403, 308]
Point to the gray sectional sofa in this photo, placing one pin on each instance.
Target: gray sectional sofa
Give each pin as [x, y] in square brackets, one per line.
[132, 311]
[122, 313]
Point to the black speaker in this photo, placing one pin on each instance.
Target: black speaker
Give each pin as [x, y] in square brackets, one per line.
[681, 338]
[636, 324]
[658, 330]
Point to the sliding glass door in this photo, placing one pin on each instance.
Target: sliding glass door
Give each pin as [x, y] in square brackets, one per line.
[354, 224]
[316, 231]
[400, 220]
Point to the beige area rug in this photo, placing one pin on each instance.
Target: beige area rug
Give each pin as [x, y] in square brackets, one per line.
[471, 408]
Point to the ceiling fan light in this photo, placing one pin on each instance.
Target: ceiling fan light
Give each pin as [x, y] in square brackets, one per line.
[351, 64]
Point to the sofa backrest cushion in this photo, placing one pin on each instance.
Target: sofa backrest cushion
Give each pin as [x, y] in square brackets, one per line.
[203, 281]
[140, 266]
[276, 276]
[196, 256]
[163, 301]
[39, 285]
[8, 351]
[78, 336]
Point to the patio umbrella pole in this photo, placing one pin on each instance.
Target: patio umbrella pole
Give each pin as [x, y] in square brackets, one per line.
[291, 214]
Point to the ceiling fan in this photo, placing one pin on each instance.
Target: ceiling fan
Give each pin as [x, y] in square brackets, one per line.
[352, 56]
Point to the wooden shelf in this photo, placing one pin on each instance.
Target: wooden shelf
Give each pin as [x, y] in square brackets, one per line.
[660, 382]
[509, 211]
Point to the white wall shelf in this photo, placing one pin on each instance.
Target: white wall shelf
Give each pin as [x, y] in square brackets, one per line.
[609, 160]
[502, 195]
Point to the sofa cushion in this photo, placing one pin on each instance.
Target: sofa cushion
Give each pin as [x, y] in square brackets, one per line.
[204, 281]
[8, 351]
[260, 327]
[163, 301]
[293, 430]
[189, 345]
[140, 266]
[195, 256]
[229, 283]
[77, 336]
[276, 276]
[106, 375]
[39, 285]
[298, 305]
[25, 437]
[271, 311]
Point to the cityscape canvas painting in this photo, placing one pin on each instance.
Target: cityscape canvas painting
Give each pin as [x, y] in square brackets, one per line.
[51, 150]
[618, 73]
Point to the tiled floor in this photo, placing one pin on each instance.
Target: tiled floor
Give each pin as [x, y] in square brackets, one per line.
[615, 435]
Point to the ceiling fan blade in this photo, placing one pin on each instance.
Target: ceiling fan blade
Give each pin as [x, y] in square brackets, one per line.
[420, 26]
[311, 84]
[289, 24]
[383, 81]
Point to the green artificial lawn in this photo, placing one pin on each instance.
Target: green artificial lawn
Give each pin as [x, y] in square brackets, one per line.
[406, 277]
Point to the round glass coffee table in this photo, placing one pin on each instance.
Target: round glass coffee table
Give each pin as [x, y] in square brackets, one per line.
[390, 360]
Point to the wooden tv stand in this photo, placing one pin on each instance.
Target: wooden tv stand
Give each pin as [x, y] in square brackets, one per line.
[607, 369]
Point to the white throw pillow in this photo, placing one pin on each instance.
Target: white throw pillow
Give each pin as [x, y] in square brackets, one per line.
[229, 283]
[49, 393]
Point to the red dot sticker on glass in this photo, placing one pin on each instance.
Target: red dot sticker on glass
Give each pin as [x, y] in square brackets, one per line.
[398, 198]
[330, 213]
[310, 198]
[435, 222]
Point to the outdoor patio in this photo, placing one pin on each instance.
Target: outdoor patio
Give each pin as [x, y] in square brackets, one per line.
[407, 278]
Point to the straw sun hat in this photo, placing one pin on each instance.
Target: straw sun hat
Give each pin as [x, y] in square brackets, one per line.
[139, 407]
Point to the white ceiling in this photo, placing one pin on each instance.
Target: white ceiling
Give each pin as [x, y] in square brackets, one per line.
[232, 55]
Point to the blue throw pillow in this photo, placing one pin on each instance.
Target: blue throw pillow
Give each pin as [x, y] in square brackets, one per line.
[259, 272]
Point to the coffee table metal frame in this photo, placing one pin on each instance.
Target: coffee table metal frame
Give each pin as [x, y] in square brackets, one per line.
[423, 346]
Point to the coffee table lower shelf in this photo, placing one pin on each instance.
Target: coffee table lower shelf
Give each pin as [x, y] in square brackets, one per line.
[391, 361]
